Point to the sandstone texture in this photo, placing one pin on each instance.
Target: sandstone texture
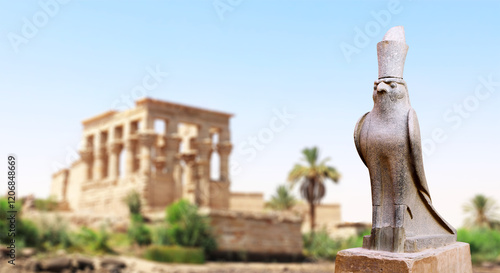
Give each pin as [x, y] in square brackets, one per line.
[454, 258]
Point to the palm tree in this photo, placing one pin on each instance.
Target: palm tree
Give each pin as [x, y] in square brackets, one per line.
[482, 211]
[312, 177]
[282, 200]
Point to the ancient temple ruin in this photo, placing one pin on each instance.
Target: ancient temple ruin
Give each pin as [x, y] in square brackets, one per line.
[122, 152]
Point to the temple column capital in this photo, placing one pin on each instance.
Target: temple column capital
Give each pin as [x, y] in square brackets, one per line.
[147, 138]
[204, 148]
[224, 148]
[115, 147]
[172, 142]
[86, 155]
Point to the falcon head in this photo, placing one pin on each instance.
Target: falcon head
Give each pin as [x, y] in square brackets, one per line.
[390, 91]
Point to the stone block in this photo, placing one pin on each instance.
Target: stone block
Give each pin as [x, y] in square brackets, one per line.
[454, 258]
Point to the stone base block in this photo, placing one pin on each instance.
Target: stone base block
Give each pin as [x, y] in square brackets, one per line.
[420, 243]
[454, 258]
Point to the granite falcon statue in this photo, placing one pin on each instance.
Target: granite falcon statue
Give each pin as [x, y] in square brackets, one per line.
[388, 142]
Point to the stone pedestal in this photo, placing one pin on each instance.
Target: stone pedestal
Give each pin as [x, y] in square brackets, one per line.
[454, 258]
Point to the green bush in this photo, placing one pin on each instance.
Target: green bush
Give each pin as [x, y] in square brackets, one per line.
[484, 243]
[48, 204]
[95, 241]
[188, 228]
[119, 240]
[53, 234]
[139, 233]
[160, 235]
[4, 207]
[28, 233]
[133, 201]
[174, 254]
[320, 246]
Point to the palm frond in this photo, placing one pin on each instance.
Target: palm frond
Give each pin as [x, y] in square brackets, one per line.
[282, 200]
[310, 155]
[297, 173]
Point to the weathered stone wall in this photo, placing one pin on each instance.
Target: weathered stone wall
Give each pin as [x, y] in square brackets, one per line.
[252, 202]
[163, 192]
[75, 180]
[56, 189]
[328, 216]
[105, 197]
[219, 195]
[267, 233]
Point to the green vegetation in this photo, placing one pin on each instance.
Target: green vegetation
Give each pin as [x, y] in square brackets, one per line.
[484, 243]
[320, 246]
[139, 233]
[160, 235]
[133, 201]
[174, 254]
[48, 235]
[282, 200]
[312, 177]
[94, 242]
[482, 229]
[185, 237]
[188, 228]
[48, 204]
[27, 233]
[54, 234]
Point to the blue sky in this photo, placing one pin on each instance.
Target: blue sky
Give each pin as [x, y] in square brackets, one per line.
[62, 62]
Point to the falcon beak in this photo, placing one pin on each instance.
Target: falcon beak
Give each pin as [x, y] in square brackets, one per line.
[382, 87]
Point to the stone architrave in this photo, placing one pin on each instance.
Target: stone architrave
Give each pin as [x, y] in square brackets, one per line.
[408, 235]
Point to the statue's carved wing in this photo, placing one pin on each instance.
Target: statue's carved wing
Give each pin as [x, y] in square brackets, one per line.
[418, 168]
[357, 136]
[416, 152]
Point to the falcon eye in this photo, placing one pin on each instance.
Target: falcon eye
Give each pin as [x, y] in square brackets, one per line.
[394, 85]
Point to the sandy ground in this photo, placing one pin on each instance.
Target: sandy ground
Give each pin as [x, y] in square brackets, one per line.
[135, 265]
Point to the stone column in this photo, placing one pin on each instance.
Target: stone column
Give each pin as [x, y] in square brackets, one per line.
[87, 155]
[146, 141]
[99, 156]
[173, 165]
[204, 148]
[224, 150]
[190, 178]
[177, 174]
[171, 150]
[114, 150]
[159, 165]
[129, 156]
